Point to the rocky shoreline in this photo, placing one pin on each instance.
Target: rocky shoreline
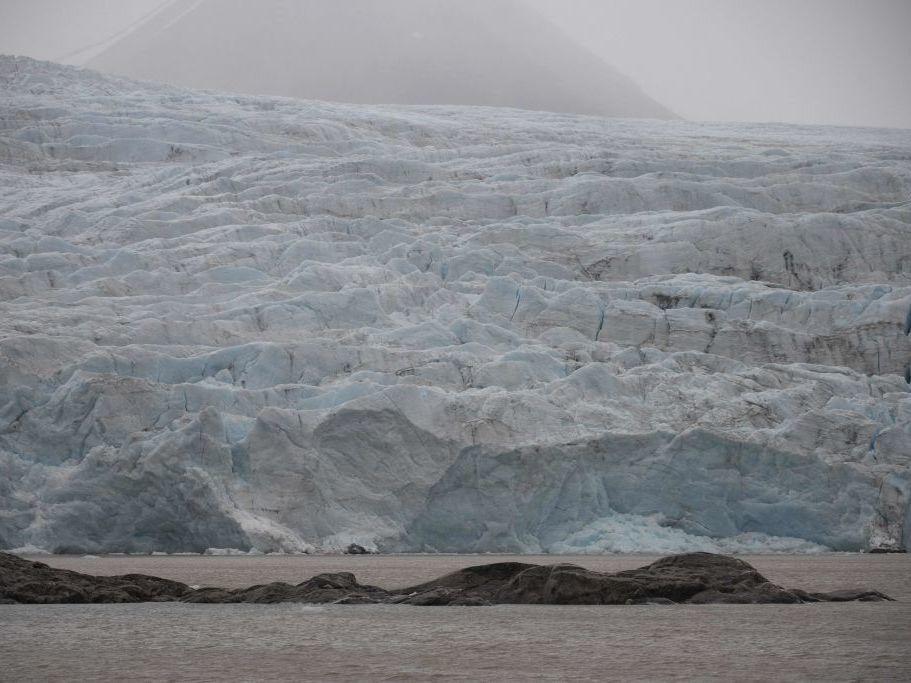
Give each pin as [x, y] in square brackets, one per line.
[696, 578]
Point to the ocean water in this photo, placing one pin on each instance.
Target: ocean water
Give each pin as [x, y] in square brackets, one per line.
[862, 641]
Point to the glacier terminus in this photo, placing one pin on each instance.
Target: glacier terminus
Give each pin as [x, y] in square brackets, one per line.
[276, 325]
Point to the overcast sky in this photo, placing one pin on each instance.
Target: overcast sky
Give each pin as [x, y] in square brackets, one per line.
[803, 61]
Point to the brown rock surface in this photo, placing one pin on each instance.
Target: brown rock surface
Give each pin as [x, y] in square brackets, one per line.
[696, 578]
[24, 581]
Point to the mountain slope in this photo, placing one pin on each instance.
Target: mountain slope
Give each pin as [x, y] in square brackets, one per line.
[494, 52]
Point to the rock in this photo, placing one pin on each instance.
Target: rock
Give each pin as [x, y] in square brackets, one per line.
[24, 581]
[762, 594]
[844, 596]
[356, 599]
[324, 588]
[433, 597]
[355, 549]
[208, 595]
[698, 578]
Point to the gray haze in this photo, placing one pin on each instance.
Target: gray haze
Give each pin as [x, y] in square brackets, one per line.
[804, 61]
[475, 52]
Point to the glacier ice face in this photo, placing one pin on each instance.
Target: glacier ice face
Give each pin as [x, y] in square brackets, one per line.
[275, 325]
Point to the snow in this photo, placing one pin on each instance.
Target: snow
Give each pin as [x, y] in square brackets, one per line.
[621, 533]
[29, 550]
[230, 552]
[273, 325]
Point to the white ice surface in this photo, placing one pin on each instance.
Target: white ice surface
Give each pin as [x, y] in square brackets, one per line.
[622, 533]
[261, 323]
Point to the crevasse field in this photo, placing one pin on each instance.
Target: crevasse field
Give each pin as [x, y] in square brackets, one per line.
[269, 324]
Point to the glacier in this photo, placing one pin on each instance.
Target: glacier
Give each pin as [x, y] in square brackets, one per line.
[277, 325]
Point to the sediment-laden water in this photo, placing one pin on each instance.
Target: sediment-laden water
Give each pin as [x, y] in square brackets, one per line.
[211, 642]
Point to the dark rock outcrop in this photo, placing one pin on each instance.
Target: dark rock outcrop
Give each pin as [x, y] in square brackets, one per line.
[342, 588]
[697, 578]
[23, 581]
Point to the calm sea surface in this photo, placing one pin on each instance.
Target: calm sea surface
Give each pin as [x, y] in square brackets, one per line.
[862, 641]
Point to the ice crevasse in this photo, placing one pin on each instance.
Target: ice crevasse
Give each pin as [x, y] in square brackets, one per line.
[279, 325]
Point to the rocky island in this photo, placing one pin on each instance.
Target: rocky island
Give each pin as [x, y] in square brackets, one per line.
[694, 578]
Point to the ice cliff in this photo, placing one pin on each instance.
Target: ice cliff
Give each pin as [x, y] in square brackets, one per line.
[241, 322]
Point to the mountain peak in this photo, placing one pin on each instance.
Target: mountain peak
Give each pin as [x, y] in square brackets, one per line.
[492, 53]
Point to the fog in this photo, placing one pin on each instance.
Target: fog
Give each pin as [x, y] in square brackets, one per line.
[838, 62]
[802, 61]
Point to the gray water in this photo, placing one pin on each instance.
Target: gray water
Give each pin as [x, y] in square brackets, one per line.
[851, 641]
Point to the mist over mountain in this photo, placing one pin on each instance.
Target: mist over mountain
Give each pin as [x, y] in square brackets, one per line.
[496, 53]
